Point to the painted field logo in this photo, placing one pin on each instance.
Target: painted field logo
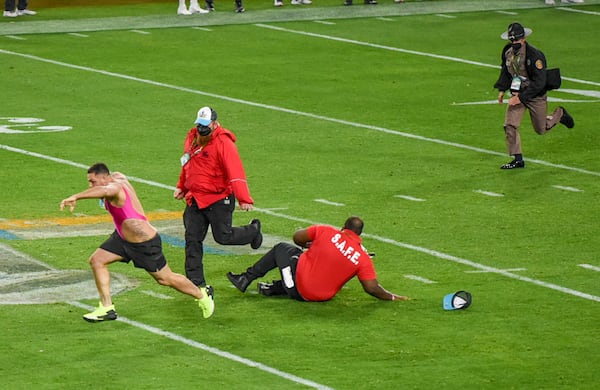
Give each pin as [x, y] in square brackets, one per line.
[24, 280]
[10, 125]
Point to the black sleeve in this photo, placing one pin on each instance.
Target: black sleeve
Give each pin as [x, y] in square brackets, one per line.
[504, 80]
[536, 70]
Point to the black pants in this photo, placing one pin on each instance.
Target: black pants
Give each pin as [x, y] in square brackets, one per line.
[9, 5]
[285, 257]
[218, 216]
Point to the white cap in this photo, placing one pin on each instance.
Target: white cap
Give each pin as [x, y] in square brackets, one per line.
[205, 116]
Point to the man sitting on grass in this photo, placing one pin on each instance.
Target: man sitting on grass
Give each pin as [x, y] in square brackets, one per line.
[334, 256]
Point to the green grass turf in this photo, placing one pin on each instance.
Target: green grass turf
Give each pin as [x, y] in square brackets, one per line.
[358, 112]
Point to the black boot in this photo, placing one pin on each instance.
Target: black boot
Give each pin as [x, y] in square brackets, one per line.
[210, 5]
[567, 119]
[258, 239]
[241, 281]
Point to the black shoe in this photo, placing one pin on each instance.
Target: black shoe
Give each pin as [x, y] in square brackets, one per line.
[240, 281]
[256, 241]
[514, 164]
[239, 10]
[271, 289]
[210, 5]
[567, 119]
[371, 2]
[348, 2]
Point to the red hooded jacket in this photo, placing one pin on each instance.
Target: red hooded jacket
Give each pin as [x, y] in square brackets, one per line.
[214, 171]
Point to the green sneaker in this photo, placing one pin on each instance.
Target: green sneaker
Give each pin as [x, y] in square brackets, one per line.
[101, 314]
[207, 303]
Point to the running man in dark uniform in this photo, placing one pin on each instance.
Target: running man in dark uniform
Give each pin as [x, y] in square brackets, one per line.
[524, 74]
[134, 239]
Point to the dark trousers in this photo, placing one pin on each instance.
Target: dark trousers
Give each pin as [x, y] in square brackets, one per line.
[9, 5]
[219, 217]
[285, 257]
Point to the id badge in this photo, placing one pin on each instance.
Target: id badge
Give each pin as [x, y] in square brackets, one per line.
[185, 159]
[516, 84]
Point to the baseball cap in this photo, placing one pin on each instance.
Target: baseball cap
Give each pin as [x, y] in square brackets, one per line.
[456, 301]
[515, 32]
[205, 116]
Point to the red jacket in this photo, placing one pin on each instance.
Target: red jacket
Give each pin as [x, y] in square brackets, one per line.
[214, 171]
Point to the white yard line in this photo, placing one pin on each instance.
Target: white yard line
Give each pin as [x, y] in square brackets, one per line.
[567, 188]
[420, 279]
[173, 336]
[590, 267]
[488, 193]
[214, 351]
[325, 201]
[411, 198]
[316, 116]
[431, 252]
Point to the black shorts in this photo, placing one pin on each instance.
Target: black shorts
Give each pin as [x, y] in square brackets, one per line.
[147, 255]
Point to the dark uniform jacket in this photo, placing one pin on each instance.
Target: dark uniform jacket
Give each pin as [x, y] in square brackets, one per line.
[535, 63]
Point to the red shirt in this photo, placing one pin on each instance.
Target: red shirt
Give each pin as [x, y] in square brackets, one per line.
[214, 171]
[332, 259]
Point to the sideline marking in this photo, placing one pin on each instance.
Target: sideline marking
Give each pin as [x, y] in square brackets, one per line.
[589, 266]
[325, 201]
[550, 99]
[507, 269]
[577, 10]
[315, 116]
[488, 193]
[566, 188]
[23, 277]
[400, 50]
[215, 351]
[431, 252]
[419, 279]
[409, 198]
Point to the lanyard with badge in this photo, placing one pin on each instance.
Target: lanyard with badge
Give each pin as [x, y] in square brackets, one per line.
[515, 85]
[187, 156]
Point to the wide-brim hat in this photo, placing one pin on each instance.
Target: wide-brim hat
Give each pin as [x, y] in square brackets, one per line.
[515, 32]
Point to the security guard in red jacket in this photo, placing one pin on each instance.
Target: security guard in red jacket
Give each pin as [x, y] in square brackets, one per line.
[524, 74]
[212, 177]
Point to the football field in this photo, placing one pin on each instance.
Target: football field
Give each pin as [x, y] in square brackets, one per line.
[387, 112]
